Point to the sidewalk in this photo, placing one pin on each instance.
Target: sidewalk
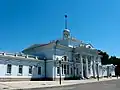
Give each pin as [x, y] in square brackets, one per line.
[43, 84]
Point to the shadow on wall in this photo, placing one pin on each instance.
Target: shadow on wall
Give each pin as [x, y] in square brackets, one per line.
[35, 76]
[38, 76]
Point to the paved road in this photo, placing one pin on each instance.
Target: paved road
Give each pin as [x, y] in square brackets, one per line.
[105, 85]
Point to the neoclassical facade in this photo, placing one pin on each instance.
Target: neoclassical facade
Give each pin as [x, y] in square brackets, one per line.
[78, 59]
[66, 57]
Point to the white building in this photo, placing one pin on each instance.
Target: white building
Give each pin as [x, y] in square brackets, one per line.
[42, 61]
[20, 67]
[78, 59]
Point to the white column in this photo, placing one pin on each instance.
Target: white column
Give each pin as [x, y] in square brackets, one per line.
[94, 69]
[74, 67]
[81, 66]
[91, 67]
[91, 74]
[86, 66]
[97, 69]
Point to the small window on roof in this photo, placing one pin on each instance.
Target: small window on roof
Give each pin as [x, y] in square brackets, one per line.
[65, 58]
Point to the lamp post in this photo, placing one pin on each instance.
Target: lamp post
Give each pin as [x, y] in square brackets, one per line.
[55, 53]
[45, 66]
[59, 61]
[60, 71]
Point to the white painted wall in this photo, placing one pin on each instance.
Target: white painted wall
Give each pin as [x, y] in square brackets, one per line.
[49, 69]
[25, 63]
[107, 71]
[2, 69]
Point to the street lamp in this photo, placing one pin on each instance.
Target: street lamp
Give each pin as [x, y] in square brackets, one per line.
[55, 52]
[59, 70]
[45, 66]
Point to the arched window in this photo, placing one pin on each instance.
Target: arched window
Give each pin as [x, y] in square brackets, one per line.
[65, 58]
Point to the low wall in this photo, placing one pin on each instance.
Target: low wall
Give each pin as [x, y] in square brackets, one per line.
[4, 79]
[24, 79]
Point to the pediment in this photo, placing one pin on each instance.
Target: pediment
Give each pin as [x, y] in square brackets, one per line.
[89, 46]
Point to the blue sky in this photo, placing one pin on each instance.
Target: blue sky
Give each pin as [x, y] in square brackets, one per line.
[27, 22]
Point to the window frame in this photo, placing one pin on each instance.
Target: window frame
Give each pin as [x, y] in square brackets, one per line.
[9, 68]
[58, 70]
[21, 69]
[65, 69]
[68, 69]
[71, 71]
[62, 69]
[39, 68]
[30, 69]
[77, 71]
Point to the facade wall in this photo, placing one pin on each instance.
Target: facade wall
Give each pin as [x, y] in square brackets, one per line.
[25, 70]
[50, 68]
[100, 71]
[108, 69]
[65, 72]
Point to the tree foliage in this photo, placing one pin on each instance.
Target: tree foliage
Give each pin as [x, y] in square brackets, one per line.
[114, 60]
[106, 59]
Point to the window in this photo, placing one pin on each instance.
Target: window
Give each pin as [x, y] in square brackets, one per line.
[84, 60]
[58, 70]
[9, 68]
[71, 71]
[39, 70]
[65, 58]
[77, 71]
[30, 69]
[62, 69]
[20, 69]
[67, 69]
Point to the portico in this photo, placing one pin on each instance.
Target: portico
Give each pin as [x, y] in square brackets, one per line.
[87, 65]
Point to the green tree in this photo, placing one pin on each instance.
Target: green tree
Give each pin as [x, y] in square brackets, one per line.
[114, 60]
[104, 58]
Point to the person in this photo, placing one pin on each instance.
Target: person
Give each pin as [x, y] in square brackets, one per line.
[97, 77]
[117, 76]
[110, 75]
[80, 75]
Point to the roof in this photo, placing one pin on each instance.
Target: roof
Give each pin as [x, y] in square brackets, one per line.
[74, 39]
[35, 46]
[18, 56]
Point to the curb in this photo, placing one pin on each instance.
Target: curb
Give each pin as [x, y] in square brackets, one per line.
[40, 88]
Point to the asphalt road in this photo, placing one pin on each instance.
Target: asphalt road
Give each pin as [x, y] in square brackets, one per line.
[104, 85]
